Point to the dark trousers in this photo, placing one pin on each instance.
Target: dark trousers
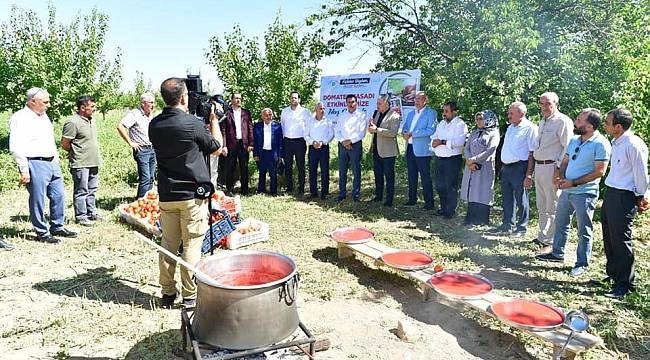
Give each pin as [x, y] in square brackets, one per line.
[86, 182]
[145, 158]
[346, 157]
[616, 216]
[294, 148]
[236, 156]
[419, 165]
[447, 171]
[384, 169]
[46, 181]
[319, 157]
[477, 214]
[513, 193]
[267, 164]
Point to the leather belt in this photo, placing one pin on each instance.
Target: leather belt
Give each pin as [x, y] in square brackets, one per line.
[41, 158]
[544, 162]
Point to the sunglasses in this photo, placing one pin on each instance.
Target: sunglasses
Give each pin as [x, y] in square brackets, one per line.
[575, 154]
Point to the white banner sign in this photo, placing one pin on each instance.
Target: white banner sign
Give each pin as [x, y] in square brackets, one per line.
[400, 85]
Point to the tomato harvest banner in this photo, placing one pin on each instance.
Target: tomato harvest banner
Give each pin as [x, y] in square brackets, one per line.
[400, 85]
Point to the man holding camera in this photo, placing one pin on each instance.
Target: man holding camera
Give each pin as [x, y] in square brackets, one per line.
[182, 145]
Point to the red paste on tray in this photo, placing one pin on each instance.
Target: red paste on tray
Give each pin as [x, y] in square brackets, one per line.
[249, 277]
[407, 258]
[528, 313]
[352, 234]
[460, 284]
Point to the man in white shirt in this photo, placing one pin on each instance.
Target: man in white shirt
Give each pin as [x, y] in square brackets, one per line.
[134, 129]
[349, 130]
[627, 194]
[448, 142]
[518, 144]
[31, 142]
[293, 119]
[318, 135]
[267, 150]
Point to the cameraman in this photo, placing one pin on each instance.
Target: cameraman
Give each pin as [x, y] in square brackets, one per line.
[182, 143]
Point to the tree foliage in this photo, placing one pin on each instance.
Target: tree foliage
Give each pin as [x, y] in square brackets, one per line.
[66, 60]
[488, 53]
[265, 78]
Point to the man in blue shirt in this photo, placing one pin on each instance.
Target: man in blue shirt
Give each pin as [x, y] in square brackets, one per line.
[582, 167]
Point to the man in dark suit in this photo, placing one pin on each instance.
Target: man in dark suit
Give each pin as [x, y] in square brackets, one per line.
[267, 150]
[237, 133]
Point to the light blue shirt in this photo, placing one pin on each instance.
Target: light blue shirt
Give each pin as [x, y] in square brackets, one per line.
[597, 148]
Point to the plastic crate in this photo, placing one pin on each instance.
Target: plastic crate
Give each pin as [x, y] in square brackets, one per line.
[236, 239]
[230, 204]
[220, 229]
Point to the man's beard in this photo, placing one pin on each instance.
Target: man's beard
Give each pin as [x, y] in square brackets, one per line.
[579, 131]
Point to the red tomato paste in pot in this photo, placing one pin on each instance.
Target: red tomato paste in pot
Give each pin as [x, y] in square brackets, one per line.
[249, 277]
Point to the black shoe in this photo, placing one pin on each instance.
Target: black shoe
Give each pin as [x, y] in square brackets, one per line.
[549, 257]
[448, 217]
[6, 245]
[48, 239]
[439, 212]
[388, 204]
[313, 196]
[375, 199]
[501, 230]
[167, 301]
[619, 292]
[189, 303]
[428, 207]
[64, 233]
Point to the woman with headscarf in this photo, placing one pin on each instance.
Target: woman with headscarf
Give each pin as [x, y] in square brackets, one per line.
[478, 177]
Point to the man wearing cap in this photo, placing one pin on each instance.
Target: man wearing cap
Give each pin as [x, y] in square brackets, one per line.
[134, 129]
[31, 142]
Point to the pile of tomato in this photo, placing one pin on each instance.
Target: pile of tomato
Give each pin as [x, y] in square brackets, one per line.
[145, 208]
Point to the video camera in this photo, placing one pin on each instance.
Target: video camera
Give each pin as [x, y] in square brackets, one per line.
[200, 102]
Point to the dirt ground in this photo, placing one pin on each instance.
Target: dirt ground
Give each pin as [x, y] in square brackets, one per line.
[95, 297]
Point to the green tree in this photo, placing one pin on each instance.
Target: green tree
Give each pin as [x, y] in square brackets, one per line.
[488, 53]
[67, 60]
[266, 78]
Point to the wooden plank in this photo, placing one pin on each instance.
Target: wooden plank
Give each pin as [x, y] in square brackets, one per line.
[374, 250]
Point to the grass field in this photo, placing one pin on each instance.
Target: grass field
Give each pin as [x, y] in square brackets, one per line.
[97, 294]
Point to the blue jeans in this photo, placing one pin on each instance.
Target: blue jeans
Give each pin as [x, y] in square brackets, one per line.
[447, 173]
[583, 206]
[86, 181]
[345, 158]
[513, 192]
[46, 180]
[146, 160]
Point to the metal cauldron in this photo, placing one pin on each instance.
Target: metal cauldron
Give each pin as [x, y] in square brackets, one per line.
[232, 315]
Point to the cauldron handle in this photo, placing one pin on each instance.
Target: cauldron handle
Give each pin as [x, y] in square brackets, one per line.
[290, 293]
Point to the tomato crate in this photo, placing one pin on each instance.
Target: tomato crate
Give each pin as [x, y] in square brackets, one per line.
[220, 229]
[231, 204]
[243, 235]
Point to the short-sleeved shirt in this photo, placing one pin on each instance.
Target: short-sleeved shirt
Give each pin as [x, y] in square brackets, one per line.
[597, 148]
[519, 141]
[138, 124]
[181, 142]
[84, 146]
